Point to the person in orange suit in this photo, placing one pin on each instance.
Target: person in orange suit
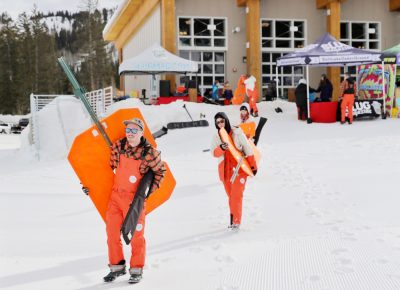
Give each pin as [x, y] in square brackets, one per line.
[227, 164]
[131, 158]
[245, 113]
[252, 93]
[348, 102]
[245, 120]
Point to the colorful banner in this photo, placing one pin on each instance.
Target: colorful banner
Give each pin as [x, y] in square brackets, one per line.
[370, 83]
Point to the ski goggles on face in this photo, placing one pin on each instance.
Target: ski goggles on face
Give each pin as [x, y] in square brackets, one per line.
[132, 130]
[222, 121]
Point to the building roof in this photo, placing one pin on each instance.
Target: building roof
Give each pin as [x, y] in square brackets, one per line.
[125, 11]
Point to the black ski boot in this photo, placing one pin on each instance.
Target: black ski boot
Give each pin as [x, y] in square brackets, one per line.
[115, 271]
[136, 275]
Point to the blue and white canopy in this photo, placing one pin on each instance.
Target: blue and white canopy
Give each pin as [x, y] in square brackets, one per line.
[327, 51]
[157, 60]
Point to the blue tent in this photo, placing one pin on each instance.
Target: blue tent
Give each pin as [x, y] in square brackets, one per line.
[327, 51]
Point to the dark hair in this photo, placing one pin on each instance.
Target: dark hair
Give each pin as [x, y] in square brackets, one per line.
[222, 115]
[243, 108]
[350, 81]
[324, 80]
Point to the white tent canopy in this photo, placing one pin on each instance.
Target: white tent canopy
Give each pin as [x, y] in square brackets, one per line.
[157, 60]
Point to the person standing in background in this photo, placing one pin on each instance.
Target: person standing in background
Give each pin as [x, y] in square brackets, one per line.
[325, 88]
[215, 88]
[228, 94]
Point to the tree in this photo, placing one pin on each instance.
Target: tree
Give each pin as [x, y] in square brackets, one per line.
[9, 82]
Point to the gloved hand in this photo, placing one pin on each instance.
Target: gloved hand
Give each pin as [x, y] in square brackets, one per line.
[224, 146]
[85, 190]
[254, 171]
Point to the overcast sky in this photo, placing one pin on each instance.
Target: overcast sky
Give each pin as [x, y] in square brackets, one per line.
[15, 7]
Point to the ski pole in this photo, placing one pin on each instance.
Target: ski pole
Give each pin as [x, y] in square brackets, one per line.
[80, 93]
[184, 106]
[236, 171]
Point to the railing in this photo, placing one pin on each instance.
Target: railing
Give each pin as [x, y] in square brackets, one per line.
[99, 100]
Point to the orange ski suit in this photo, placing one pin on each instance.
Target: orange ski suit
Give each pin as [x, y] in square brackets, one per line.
[226, 168]
[126, 182]
[347, 102]
[253, 98]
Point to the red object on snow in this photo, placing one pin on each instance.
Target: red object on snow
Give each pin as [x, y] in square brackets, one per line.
[167, 100]
[323, 112]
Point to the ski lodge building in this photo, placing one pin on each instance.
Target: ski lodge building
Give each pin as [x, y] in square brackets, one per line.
[233, 37]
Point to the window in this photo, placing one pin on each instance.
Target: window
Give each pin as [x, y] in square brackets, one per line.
[279, 37]
[204, 40]
[202, 33]
[359, 34]
[282, 34]
[288, 76]
[364, 35]
[211, 67]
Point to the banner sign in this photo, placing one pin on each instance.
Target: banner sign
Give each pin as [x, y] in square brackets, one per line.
[370, 83]
[367, 108]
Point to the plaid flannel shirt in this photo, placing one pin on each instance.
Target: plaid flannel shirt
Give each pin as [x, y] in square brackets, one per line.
[152, 160]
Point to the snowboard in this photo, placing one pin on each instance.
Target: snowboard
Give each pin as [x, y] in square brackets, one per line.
[163, 131]
[89, 156]
[249, 129]
[210, 101]
[135, 209]
[240, 92]
[235, 152]
[189, 124]
[260, 126]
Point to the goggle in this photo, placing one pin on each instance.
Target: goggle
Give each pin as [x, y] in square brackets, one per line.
[132, 130]
[220, 122]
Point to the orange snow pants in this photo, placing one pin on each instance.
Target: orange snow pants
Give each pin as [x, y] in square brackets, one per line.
[234, 190]
[347, 102]
[253, 97]
[126, 181]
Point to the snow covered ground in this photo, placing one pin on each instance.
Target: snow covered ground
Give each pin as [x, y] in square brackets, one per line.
[322, 213]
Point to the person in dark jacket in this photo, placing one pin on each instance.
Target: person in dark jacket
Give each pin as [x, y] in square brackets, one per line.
[301, 98]
[325, 88]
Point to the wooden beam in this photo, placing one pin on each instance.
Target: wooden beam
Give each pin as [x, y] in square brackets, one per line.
[253, 52]
[168, 33]
[333, 27]
[394, 5]
[241, 3]
[121, 77]
[322, 4]
[333, 19]
[144, 11]
[123, 18]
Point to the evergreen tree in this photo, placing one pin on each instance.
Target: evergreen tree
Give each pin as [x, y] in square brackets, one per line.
[29, 51]
[9, 82]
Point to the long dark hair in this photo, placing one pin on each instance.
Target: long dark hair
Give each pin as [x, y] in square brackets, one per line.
[222, 115]
[324, 80]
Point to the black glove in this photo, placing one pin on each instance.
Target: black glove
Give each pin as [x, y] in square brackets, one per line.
[85, 190]
[224, 146]
[254, 171]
